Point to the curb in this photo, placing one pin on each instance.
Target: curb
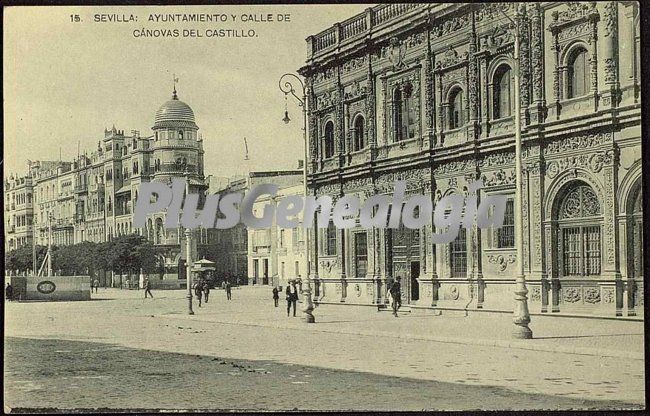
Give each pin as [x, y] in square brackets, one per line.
[522, 345]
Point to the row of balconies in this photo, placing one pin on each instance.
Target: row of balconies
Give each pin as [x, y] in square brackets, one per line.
[357, 25]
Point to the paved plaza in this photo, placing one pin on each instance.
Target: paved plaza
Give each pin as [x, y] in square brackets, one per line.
[122, 351]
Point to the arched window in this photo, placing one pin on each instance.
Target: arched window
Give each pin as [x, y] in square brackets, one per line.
[503, 92]
[359, 133]
[180, 134]
[579, 225]
[578, 73]
[329, 139]
[456, 112]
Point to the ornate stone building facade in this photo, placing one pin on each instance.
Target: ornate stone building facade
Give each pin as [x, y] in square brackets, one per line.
[93, 197]
[425, 93]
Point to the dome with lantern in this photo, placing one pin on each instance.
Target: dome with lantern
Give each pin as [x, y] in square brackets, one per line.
[173, 114]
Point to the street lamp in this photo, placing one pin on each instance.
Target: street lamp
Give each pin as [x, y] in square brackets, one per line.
[521, 314]
[286, 84]
[188, 248]
[50, 218]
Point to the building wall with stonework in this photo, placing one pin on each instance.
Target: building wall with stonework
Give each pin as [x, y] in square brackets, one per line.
[93, 197]
[275, 254]
[425, 93]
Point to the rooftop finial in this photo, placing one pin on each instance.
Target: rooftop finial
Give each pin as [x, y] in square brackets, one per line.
[174, 96]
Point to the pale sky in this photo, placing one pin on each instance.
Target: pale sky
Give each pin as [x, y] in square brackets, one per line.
[65, 82]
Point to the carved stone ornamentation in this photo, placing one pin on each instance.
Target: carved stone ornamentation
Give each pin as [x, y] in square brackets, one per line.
[499, 178]
[592, 295]
[370, 105]
[355, 90]
[326, 100]
[492, 11]
[451, 58]
[414, 40]
[325, 75]
[593, 162]
[354, 64]
[609, 20]
[328, 265]
[535, 294]
[501, 261]
[454, 293]
[608, 295]
[497, 159]
[610, 71]
[454, 167]
[449, 26]
[575, 10]
[588, 141]
[571, 294]
[357, 184]
[395, 52]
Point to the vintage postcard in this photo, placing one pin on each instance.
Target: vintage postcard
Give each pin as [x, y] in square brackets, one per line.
[325, 207]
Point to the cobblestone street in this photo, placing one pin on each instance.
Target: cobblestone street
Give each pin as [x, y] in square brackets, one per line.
[352, 358]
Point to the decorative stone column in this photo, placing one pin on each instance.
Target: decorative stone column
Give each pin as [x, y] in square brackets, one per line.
[473, 128]
[593, 61]
[341, 257]
[340, 118]
[429, 102]
[537, 109]
[611, 94]
[371, 107]
[524, 63]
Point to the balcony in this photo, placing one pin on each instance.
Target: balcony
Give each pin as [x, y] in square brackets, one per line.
[176, 143]
[360, 24]
[178, 169]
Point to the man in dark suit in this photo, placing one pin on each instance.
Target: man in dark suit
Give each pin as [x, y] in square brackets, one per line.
[292, 296]
[396, 293]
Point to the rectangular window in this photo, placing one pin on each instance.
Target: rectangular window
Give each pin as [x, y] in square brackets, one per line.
[458, 254]
[360, 254]
[592, 250]
[297, 269]
[281, 238]
[330, 240]
[506, 234]
[571, 247]
[282, 270]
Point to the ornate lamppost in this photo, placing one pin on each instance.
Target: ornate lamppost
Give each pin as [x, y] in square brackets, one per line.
[188, 248]
[521, 314]
[286, 85]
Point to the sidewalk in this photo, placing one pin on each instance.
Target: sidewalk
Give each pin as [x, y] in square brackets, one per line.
[596, 337]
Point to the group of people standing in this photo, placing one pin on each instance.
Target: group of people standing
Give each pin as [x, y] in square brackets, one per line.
[294, 287]
[202, 290]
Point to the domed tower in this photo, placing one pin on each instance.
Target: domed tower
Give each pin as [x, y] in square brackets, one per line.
[178, 151]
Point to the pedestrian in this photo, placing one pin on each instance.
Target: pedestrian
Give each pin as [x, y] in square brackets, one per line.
[198, 289]
[9, 292]
[96, 285]
[206, 290]
[292, 296]
[147, 288]
[276, 296]
[396, 295]
[228, 290]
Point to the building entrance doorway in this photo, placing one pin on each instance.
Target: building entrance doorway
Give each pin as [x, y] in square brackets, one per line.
[415, 286]
[265, 275]
[405, 257]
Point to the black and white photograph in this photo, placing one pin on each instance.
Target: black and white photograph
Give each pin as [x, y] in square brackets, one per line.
[323, 207]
